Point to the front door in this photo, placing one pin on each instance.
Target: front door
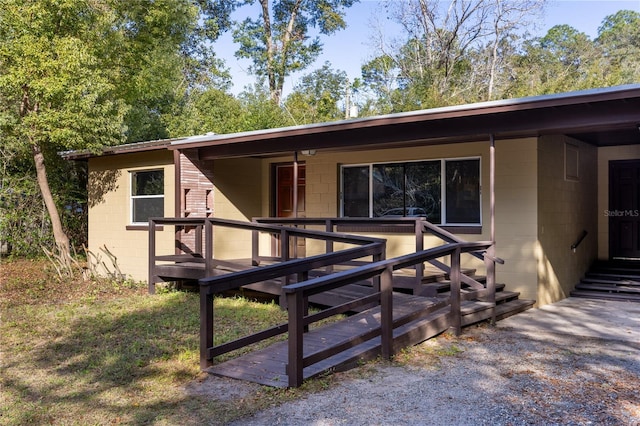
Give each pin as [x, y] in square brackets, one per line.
[285, 190]
[285, 202]
[624, 209]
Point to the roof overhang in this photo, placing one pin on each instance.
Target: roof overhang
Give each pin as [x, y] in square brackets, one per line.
[608, 116]
[129, 148]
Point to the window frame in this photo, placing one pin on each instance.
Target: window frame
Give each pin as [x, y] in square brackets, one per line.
[443, 189]
[132, 223]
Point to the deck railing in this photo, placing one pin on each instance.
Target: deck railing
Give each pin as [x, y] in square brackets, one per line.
[298, 267]
[199, 261]
[417, 226]
[293, 275]
[298, 296]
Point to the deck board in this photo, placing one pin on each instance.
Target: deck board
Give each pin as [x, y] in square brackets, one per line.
[268, 366]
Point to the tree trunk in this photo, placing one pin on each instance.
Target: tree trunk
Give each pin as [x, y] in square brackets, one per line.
[62, 241]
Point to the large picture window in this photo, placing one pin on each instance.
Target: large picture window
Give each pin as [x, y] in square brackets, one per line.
[147, 195]
[446, 192]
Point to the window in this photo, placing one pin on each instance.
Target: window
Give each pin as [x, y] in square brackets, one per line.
[147, 195]
[414, 189]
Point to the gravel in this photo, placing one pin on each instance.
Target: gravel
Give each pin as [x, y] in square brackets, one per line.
[487, 376]
[575, 362]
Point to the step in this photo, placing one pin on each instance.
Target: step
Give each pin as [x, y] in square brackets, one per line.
[432, 275]
[611, 288]
[606, 296]
[612, 276]
[480, 311]
[617, 265]
[612, 282]
[443, 287]
[513, 307]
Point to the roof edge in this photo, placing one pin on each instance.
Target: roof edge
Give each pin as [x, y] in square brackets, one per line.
[487, 107]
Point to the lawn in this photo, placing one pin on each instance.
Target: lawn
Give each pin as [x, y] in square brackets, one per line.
[80, 352]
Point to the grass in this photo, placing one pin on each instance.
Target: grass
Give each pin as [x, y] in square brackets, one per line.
[79, 353]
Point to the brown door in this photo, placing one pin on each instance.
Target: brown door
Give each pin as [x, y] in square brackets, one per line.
[285, 203]
[285, 191]
[624, 209]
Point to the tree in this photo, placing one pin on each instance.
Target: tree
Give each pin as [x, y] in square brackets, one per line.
[619, 40]
[260, 112]
[507, 18]
[206, 111]
[56, 93]
[80, 74]
[451, 52]
[279, 42]
[315, 99]
[562, 60]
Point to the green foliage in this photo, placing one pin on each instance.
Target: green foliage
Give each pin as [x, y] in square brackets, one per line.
[24, 223]
[207, 111]
[315, 99]
[470, 52]
[84, 74]
[619, 41]
[260, 111]
[279, 42]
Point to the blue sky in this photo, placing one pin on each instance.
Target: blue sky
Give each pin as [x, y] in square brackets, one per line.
[348, 49]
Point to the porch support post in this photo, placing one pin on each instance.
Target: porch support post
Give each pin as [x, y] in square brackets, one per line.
[492, 187]
[295, 184]
[295, 200]
[491, 251]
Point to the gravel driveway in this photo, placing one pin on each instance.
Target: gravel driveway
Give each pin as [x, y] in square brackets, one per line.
[550, 366]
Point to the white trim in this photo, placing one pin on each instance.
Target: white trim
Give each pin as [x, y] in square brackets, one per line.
[443, 185]
[138, 197]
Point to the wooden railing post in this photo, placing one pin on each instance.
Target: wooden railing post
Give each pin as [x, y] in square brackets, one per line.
[208, 247]
[490, 266]
[386, 312]
[419, 231]
[377, 258]
[206, 326]
[198, 247]
[152, 256]
[255, 247]
[295, 365]
[454, 276]
[328, 227]
[284, 251]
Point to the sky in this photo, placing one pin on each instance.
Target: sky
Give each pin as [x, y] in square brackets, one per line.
[349, 49]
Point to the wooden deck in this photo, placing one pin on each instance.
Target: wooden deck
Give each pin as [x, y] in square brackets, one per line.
[268, 366]
[389, 303]
[425, 317]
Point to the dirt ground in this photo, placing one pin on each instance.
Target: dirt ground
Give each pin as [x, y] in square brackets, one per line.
[500, 375]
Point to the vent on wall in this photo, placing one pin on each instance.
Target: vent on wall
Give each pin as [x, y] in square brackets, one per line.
[571, 162]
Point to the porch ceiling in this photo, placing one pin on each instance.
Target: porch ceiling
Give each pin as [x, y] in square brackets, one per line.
[600, 117]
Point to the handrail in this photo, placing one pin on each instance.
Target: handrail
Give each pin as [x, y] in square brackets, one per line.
[211, 285]
[380, 270]
[198, 254]
[582, 236]
[242, 278]
[297, 295]
[420, 225]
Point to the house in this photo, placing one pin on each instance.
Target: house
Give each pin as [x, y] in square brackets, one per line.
[554, 180]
